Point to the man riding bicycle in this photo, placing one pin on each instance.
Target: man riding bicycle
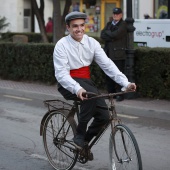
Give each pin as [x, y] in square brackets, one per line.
[73, 55]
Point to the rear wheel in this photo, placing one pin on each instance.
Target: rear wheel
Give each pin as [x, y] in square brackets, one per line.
[124, 150]
[58, 132]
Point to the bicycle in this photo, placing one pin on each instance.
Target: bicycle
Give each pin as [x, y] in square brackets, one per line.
[58, 127]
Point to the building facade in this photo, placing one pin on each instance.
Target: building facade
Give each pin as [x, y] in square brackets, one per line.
[19, 12]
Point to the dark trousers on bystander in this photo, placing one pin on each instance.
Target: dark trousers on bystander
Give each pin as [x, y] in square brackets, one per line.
[112, 86]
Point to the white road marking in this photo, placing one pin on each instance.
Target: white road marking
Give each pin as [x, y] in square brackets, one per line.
[127, 116]
[15, 97]
[39, 156]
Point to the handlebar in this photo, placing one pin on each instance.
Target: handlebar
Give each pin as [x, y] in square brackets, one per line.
[91, 95]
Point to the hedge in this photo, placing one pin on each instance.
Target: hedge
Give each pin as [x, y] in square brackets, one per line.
[34, 62]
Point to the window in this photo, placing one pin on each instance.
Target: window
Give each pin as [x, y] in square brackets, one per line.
[161, 8]
[27, 12]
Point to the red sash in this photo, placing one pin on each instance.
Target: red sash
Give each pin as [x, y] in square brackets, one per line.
[83, 72]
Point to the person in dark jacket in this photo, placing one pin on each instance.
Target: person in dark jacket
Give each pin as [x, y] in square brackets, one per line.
[115, 36]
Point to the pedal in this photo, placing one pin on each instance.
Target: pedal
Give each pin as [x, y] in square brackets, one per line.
[87, 154]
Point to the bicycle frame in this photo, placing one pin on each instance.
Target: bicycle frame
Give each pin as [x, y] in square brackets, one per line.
[114, 120]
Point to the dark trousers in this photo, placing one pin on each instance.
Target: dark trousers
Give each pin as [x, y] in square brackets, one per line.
[112, 86]
[88, 109]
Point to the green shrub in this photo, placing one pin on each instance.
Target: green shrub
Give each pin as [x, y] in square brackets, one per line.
[32, 37]
[29, 62]
[152, 72]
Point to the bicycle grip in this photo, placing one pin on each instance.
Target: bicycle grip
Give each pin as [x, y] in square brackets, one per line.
[89, 94]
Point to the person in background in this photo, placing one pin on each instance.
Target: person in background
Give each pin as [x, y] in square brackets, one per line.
[49, 25]
[76, 6]
[72, 57]
[115, 36]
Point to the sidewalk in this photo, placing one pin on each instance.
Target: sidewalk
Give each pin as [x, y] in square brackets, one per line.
[140, 106]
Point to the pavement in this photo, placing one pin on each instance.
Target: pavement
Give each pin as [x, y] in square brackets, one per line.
[154, 108]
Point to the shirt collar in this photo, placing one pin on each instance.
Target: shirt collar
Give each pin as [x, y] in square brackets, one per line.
[114, 22]
[82, 41]
[76, 43]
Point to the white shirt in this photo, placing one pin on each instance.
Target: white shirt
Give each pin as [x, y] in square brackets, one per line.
[70, 54]
[114, 22]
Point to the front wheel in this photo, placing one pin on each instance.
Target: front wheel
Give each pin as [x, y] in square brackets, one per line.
[58, 132]
[124, 150]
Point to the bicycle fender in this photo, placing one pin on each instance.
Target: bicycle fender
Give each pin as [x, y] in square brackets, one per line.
[43, 121]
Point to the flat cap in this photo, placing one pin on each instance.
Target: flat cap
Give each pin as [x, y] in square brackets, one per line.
[117, 10]
[75, 15]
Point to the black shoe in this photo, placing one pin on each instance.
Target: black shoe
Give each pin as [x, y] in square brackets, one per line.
[79, 141]
[119, 98]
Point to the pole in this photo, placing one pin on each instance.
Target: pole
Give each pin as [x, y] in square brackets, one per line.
[168, 9]
[130, 47]
[54, 21]
[129, 8]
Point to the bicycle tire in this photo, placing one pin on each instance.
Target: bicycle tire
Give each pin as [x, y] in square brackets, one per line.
[61, 153]
[124, 155]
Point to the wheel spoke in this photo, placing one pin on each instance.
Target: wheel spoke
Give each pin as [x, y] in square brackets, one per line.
[124, 150]
[57, 133]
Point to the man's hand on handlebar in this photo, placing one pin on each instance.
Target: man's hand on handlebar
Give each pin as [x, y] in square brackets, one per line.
[80, 94]
[131, 87]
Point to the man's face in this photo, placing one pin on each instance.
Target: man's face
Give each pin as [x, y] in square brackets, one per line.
[76, 29]
[117, 17]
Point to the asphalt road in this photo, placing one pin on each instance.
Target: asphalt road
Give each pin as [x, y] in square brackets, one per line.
[21, 146]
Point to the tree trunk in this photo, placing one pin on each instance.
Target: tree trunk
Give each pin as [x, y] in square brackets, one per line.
[58, 20]
[40, 21]
[65, 12]
[42, 10]
[57, 29]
